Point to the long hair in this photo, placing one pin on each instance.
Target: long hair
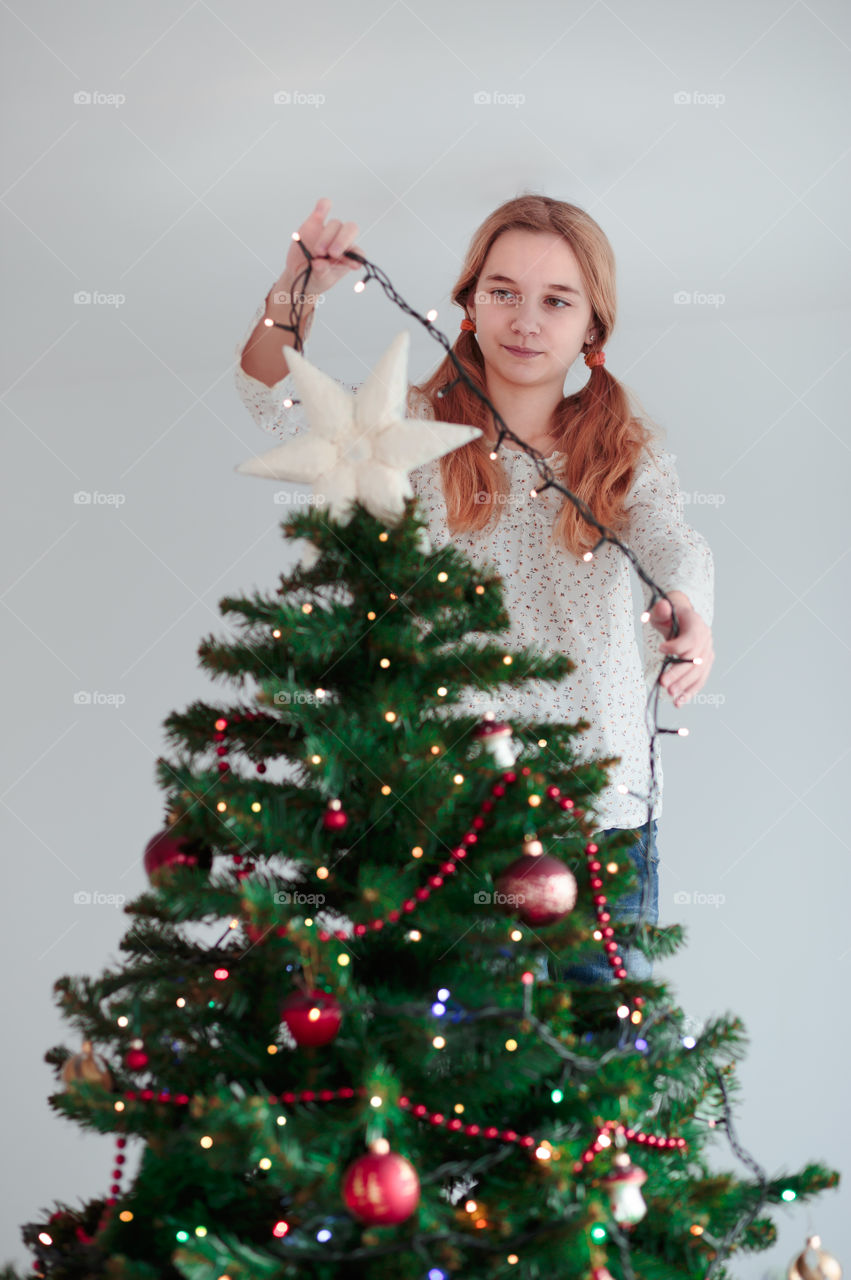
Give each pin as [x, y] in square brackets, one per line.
[597, 430]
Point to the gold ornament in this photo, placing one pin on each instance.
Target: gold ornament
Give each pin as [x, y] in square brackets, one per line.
[84, 1066]
[826, 1267]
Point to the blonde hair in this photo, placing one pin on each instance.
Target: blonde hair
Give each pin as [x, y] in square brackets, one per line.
[597, 430]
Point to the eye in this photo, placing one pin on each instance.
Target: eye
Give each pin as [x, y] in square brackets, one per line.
[563, 301]
[494, 292]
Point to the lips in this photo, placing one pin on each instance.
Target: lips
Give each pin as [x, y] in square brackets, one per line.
[522, 351]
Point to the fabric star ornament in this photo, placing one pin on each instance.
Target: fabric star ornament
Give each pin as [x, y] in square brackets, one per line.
[360, 446]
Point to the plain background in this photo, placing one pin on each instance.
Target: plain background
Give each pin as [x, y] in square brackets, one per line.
[709, 144]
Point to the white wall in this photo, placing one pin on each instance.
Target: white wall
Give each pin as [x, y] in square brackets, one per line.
[182, 198]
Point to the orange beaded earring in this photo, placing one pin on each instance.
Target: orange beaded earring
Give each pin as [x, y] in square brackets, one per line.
[468, 325]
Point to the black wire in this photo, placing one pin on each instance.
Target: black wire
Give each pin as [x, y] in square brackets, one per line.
[373, 272]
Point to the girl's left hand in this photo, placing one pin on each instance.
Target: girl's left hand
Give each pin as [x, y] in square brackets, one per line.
[683, 679]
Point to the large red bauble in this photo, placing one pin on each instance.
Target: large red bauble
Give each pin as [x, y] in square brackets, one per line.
[313, 1017]
[381, 1189]
[166, 850]
[539, 889]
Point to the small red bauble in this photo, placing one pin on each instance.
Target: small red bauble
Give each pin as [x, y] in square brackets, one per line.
[335, 817]
[537, 888]
[135, 1058]
[166, 850]
[313, 1017]
[381, 1188]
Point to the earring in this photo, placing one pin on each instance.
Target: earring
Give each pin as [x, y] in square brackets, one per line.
[469, 326]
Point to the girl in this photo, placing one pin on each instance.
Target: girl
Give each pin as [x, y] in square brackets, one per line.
[537, 288]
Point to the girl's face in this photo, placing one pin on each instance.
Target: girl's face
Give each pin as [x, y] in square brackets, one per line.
[517, 303]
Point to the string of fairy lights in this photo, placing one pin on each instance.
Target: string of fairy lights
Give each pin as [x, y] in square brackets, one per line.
[298, 295]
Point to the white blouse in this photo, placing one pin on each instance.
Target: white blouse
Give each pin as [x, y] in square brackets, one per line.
[561, 603]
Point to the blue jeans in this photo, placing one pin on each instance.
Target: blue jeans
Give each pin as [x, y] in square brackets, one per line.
[592, 965]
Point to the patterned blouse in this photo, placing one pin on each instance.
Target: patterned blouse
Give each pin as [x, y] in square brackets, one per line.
[561, 603]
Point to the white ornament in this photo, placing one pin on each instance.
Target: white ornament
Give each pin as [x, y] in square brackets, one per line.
[359, 446]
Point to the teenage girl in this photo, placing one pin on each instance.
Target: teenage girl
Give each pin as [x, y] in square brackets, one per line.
[537, 288]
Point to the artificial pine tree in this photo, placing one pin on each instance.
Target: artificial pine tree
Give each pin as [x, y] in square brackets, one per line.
[340, 1037]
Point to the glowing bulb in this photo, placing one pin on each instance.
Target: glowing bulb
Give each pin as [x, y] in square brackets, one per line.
[515, 935]
[385, 790]
[201, 1231]
[206, 1142]
[480, 591]
[314, 1015]
[125, 1215]
[443, 993]
[123, 1021]
[417, 851]
[689, 1042]
[589, 555]
[414, 935]
[383, 536]
[557, 1095]
[442, 576]
[375, 1101]
[343, 960]
[441, 693]
[371, 616]
[508, 659]
[623, 1011]
[265, 1163]
[789, 1194]
[282, 1120]
[385, 662]
[471, 1206]
[389, 716]
[439, 1042]
[511, 1045]
[315, 759]
[543, 1154]
[119, 1106]
[322, 873]
[307, 607]
[458, 778]
[44, 1238]
[604, 1140]
[220, 974]
[280, 1229]
[221, 807]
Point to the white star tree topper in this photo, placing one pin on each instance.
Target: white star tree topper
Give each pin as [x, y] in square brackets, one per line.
[359, 446]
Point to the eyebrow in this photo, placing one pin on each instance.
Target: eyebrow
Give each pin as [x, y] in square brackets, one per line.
[563, 288]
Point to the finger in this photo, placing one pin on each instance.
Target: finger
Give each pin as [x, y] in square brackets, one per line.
[341, 241]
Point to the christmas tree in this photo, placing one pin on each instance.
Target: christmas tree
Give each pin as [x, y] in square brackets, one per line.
[340, 1044]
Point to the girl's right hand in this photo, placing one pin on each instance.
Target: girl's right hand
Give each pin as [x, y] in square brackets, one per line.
[327, 242]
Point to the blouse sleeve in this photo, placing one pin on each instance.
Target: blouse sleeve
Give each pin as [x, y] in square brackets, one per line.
[268, 407]
[675, 555]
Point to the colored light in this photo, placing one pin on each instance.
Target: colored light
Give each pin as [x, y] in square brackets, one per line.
[689, 1042]
[323, 1235]
[265, 1163]
[443, 994]
[220, 974]
[182, 1236]
[206, 1142]
[439, 1042]
[641, 1045]
[557, 1096]
[200, 1232]
[437, 1008]
[788, 1194]
[598, 1233]
[280, 1229]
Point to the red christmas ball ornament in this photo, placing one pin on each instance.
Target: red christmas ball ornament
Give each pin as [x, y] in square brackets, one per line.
[167, 849]
[135, 1058]
[335, 817]
[537, 888]
[313, 1017]
[382, 1187]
